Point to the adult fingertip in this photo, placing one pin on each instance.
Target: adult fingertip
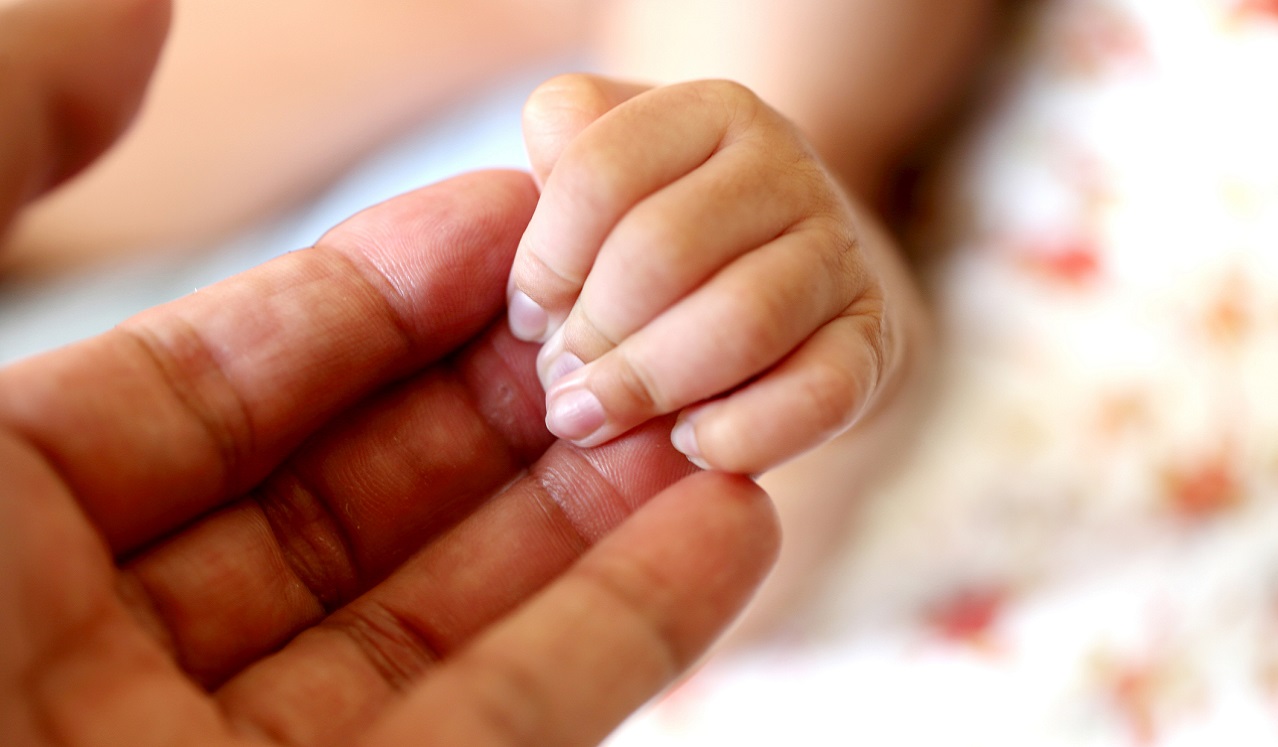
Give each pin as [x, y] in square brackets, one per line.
[444, 250]
[742, 521]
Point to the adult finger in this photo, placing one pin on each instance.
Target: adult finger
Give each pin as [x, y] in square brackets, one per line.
[73, 664]
[627, 154]
[346, 509]
[192, 403]
[634, 613]
[512, 545]
[71, 77]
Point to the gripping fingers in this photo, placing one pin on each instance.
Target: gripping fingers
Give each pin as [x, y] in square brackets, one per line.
[821, 390]
[559, 109]
[737, 325]
[554, 116]
[672, 242]
[629, 153]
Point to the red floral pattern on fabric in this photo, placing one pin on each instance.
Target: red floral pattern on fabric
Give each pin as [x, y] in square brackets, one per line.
[1084, 550]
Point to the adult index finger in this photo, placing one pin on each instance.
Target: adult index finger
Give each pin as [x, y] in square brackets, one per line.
[192, 403]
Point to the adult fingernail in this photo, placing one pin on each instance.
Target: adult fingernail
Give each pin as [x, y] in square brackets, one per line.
[528, 321]
[574, 414]
[684, 438]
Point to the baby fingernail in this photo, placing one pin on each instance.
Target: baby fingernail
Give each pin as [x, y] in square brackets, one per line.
[574, 414]
[528, 321]
[684, 438]
[562, 365]
[553, 362]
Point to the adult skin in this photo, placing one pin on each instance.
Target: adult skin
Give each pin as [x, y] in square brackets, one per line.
[316, 504]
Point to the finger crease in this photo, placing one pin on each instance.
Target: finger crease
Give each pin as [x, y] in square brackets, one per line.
[669, 658]
[396, 647]
[138, 600]
[231, 437]
[70, 643]
[510, 700]
[313, 543]
[562, 277]
[550, 493]
[380, 287]
[869, 308]
[599, 333]
[639, 384]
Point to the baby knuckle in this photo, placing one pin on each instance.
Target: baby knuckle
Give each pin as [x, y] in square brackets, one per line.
[843, 261]
[639, 392]
[762, 323]
[568, 101]
[831, 395]
[594, 179]
[876, 345]
[738, 101]
[804, 176]
[656, 248]
[870, 309]
[732, 91]
[846, 266]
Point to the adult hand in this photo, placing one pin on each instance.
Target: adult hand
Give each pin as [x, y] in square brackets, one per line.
[316, 504]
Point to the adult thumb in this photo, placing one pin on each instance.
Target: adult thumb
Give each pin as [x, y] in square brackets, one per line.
[72, 75]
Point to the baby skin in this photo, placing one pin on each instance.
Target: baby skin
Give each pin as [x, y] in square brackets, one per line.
[691, 254]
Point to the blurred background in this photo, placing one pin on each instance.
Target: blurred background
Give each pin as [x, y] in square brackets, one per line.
[51, 306]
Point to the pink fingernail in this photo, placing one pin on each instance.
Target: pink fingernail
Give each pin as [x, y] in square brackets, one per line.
[562, 365]
[528, 321]
[553, 363]
[684, 438]
[574, 414]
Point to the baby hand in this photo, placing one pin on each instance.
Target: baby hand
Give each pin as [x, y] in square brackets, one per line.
[691, 253]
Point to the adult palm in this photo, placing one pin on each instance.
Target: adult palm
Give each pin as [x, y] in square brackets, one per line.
[316, 503]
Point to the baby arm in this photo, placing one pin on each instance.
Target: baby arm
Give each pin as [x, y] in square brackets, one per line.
[862, 79]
